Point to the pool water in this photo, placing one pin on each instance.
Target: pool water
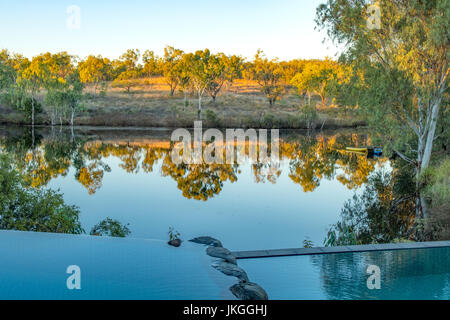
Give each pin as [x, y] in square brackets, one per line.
[404, 274]
[34, 265]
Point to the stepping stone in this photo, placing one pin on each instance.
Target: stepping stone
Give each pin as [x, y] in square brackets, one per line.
[175, 243]
[207, 241]
[219, 252]
[249, 291]
[231, 270]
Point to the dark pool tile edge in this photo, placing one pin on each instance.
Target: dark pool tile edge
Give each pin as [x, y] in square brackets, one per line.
[341, 249]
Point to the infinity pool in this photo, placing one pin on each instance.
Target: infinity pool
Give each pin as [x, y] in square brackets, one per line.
[34, 265]
[405, 275]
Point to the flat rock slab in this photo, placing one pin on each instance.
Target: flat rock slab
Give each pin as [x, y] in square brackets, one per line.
[231, 270]
[249, 291]
[219, 252]
[208, 241]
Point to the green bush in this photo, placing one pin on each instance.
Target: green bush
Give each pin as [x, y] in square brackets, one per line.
[437, 183]
[309, 115]
[212, 119]
[33, 209]
[21, 102]
[295, 122]
[269, 121]
[110, 228]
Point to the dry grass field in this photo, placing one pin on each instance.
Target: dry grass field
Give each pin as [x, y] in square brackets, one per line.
[149, 104]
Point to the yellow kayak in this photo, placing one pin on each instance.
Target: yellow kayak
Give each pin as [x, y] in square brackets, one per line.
[363, 150]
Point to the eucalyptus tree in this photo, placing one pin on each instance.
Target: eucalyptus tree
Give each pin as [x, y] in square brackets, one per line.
[171, 67]
[399, 51]
[15, 63]
[128, 70]
[185, 84]
[291, 69]
[67, 96]
[224, 70]
[151, 64]
[31, 80]
[319, 77]
[22, 80]
[94, 70]
[202, 71]
[7, 72]
[61, 67]
[269, 76]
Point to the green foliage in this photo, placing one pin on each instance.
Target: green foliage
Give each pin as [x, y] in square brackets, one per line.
[269, 75]
[110, 228]
[307, 243]
[127, 70]
[319, 77]
[269, 121]
[172, 67]
[399, 71]
[94, 70]
[34, 209]
[223, 69]
[173, 234]
[309, 115]
[19, 100]
[295, 122]
[212, 118]
[103, 89]
[151, 64]
[203, 70]
[437, 184]
[66, 97]
[7, 75]
[26, 107]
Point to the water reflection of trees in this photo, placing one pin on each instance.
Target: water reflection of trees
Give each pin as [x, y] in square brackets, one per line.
[384, 212]
[405, 274]
[380, 214]
[41, 209]
[315, 158]
[202, 181]
[310, 159]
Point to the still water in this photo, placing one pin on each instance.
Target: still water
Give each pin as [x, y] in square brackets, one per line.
[128, 175]
[422, 274]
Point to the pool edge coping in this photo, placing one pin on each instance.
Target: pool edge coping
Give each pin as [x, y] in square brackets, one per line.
[257, 254]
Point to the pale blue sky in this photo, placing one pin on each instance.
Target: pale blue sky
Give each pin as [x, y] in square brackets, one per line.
[282, 28]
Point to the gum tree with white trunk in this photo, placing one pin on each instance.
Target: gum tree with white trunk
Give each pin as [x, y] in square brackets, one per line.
[399, 51]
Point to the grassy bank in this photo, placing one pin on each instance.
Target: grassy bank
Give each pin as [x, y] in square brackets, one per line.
[149, 104]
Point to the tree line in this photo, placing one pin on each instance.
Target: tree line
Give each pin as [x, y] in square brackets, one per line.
[64, 76]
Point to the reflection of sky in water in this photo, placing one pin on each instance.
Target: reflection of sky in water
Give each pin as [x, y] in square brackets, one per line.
[34, 267]
[244, 215]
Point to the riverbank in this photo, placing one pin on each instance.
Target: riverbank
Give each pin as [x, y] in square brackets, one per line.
[126, 117]
[242, 105]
